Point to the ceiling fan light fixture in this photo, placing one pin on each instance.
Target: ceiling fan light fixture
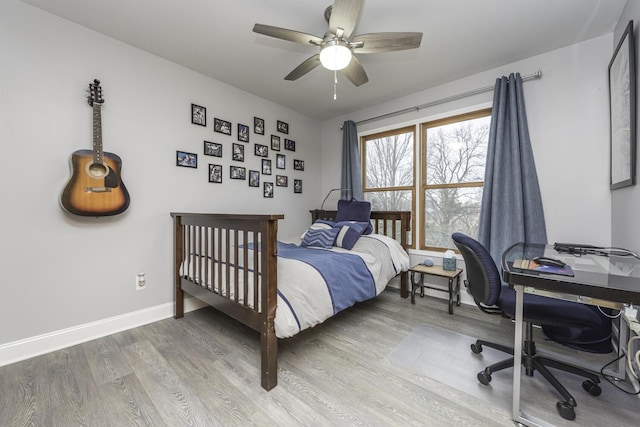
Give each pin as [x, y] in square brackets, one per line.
[335, 55]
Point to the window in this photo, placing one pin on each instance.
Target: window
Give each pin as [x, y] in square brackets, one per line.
[446, 183]
[388, 169]
[454, 151]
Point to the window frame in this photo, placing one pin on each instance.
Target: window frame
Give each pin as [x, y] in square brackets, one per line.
[424, 186]
[411, 188]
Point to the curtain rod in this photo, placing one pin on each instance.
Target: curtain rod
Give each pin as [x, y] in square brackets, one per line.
[536, 75]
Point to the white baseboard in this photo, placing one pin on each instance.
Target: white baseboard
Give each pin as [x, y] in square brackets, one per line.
[35, 346]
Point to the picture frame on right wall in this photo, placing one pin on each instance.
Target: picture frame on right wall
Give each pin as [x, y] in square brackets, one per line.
[622, 110]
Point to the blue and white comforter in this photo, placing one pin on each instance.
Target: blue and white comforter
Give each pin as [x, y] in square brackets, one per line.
[315, 284]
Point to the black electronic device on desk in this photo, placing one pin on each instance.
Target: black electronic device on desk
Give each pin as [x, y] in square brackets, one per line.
[580, 249]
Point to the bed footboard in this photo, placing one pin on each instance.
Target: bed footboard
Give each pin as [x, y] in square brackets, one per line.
[230, 262]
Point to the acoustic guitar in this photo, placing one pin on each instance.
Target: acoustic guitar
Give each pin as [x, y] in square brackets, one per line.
[95, 187]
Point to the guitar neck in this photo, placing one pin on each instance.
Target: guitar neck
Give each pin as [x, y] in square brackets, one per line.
[97, 133]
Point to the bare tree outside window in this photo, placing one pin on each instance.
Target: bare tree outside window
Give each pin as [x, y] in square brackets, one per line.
[388, 160]
[456, 150]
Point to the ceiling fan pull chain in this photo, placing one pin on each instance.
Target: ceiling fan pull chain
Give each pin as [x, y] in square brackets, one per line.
[335, 85]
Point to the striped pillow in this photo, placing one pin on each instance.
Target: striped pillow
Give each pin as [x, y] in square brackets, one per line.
[320, 238]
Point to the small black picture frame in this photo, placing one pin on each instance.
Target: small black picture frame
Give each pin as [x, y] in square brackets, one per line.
[280, 161]
[297, 186]
[261, 150]
[283, 127]
[254, 178]
[289, 144]
[282, 180]
[243, 133]
[266, 167]
[258, 125]
[267, 191]
[238, 152]
[198, 115]
[212, 149]
[298, 165]
[221, 126]
[275, 142]
[187, 160]
[238, 172]
[215, 173]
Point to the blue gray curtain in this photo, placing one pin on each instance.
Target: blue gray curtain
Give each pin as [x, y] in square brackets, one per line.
[511, 208]
[351, 183]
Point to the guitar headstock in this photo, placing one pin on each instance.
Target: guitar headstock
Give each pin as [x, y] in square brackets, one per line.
[95, 93]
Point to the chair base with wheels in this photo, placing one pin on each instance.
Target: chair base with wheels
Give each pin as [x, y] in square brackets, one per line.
[534, 362]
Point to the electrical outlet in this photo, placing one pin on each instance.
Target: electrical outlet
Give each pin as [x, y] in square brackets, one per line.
[140, 281]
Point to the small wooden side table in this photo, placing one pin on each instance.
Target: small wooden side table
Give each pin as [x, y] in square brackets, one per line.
[438, 271]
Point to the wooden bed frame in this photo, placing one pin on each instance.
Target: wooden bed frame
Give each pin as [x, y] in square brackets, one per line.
[228, 238]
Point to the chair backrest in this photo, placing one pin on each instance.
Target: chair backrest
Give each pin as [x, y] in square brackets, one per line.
[482, 275]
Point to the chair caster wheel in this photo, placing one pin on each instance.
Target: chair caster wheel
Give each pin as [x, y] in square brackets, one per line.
[476, 348]
[484, 377]
[592, 388]
[566, 411]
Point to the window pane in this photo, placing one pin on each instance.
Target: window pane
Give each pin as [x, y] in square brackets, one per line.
[390, 161]
[448, 210]
[456, 152]
[389, 200]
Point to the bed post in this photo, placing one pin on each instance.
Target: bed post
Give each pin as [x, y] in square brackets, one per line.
[178, 247]
[405, 223]
[268, 339]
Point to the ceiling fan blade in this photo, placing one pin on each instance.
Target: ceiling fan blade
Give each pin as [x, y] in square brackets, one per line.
[345, 15]
[387, 42]
[355, 72]
[304, 68]
[285, 34]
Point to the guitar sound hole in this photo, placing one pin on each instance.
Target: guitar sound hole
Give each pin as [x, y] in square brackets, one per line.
[97, 170]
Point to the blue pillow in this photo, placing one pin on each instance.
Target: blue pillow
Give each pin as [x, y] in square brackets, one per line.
[353, 210]
[347, 237]
[358, 226]
[320, 238]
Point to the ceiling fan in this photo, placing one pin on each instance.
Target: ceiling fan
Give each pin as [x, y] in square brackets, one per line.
[337, 46]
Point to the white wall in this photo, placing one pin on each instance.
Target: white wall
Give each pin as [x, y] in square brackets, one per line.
[625, 202]
[60, 271]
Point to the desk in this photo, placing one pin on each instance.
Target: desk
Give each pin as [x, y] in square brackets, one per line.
[608, 282]
[438, 271]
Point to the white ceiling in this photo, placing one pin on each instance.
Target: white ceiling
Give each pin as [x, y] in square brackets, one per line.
[461, 38]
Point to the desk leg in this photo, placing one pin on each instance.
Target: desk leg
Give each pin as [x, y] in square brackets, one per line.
[518, 416]
[517, 352]
[451, 290]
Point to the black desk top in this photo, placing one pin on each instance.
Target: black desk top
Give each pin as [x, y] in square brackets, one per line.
[613, 278]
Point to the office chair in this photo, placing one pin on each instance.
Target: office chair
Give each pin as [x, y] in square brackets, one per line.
[491, 296]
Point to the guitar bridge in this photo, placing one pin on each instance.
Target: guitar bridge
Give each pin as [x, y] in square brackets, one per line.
[97, 189]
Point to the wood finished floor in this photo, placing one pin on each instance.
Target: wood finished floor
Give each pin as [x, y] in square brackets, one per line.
[203, 370]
